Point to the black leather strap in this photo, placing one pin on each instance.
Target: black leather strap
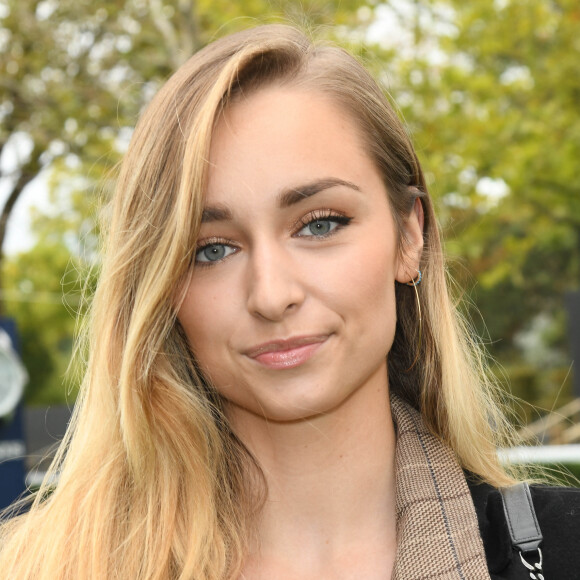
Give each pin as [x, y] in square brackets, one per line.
[521, 518]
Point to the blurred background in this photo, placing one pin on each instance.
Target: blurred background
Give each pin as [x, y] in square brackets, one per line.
[489, 90]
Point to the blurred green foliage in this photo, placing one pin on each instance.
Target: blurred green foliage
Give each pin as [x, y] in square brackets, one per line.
[489, 90]
[571, 474]
[45, 325]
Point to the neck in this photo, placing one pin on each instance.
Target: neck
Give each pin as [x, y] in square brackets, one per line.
[331, 482]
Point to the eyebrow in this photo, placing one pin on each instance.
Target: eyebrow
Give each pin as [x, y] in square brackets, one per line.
[294, 195]
[286, 198]
[215, 214]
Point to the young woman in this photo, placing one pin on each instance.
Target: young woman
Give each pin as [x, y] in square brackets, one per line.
[278, 384]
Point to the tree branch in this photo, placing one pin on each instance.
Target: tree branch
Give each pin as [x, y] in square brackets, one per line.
[28, 172]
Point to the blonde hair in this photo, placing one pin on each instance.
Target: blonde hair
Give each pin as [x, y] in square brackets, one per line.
[153, 483]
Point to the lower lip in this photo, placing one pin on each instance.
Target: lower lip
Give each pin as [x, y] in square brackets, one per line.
[287, 359]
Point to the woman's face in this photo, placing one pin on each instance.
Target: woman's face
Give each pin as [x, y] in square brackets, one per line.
[290, 308]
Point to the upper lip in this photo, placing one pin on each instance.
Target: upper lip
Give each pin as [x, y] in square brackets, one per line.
[285, 344]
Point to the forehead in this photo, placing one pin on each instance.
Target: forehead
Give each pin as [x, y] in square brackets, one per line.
[284, 134]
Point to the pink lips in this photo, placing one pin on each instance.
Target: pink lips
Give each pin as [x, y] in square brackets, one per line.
[286, 354]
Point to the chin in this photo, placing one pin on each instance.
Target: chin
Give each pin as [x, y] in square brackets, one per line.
[286, 409]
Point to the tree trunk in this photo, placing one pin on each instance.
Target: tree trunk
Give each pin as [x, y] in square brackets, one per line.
[28, 172]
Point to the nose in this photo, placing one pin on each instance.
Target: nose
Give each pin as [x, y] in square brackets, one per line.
[274, 284]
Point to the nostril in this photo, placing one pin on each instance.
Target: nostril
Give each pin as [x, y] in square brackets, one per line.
[272, 297]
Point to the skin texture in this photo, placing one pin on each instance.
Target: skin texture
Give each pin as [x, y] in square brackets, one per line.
[290, 311]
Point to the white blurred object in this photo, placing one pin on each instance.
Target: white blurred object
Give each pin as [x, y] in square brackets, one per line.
[13, 376]
[542, 454]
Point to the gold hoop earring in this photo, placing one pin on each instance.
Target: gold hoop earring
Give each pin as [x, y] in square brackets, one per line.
[415, 282]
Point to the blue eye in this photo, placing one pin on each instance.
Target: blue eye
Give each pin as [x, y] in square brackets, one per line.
[213, 253]
[321, 226]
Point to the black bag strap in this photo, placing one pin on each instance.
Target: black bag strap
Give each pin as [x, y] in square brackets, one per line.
[523, 526]
[521, 518]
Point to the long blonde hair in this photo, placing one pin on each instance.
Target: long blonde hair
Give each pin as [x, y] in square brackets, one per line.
[153, 483]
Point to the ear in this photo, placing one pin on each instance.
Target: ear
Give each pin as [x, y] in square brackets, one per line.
[408, 262]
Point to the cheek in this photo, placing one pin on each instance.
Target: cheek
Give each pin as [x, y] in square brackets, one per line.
[367, 295]
[368, 276]
[204, 317]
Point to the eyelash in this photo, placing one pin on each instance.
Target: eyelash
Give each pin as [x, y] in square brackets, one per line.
[320, 216]
[207, 244]
[316, 216]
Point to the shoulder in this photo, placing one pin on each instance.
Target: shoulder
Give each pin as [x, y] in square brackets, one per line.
[558, 513]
